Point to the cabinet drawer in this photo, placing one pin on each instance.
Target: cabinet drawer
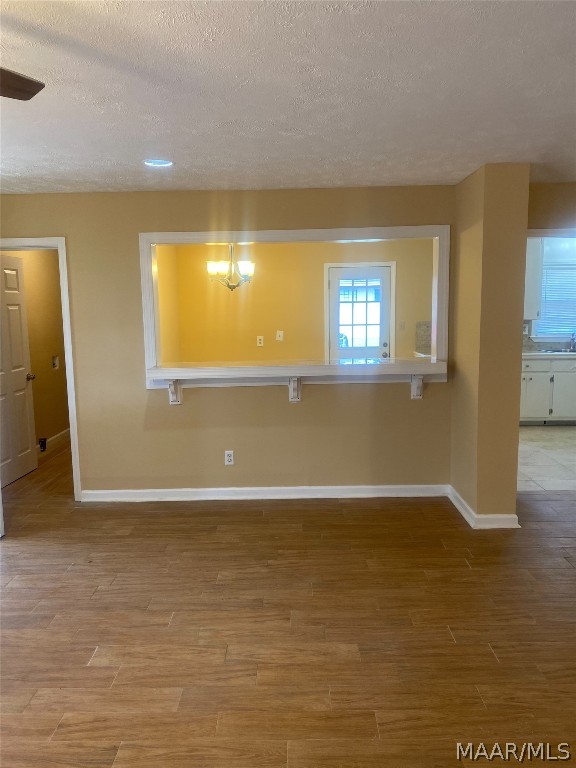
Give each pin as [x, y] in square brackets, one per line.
[537, 365]
[564, 365]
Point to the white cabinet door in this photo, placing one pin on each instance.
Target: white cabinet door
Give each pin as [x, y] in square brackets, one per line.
[533, 280]
[564, 396]
[536, 396]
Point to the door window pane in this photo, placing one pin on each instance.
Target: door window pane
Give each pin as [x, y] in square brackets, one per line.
[345, 336]
[359, 336]
[359, 314]
[374, 290]
[346, 314]
[359, 292]
[345, 290]
[373, 313]
[373, 336]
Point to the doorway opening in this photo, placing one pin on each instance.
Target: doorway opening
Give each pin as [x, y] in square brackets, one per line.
[37, 395]
[548, 382]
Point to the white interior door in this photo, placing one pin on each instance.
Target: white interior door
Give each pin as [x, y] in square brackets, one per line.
[360, 327]
[17, 432]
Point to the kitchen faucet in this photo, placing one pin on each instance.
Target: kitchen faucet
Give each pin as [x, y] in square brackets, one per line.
[573, 342]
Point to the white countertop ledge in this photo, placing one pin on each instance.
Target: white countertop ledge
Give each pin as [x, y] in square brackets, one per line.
[239, 374]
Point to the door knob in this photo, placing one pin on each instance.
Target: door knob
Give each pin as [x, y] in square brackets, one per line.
[30, 376]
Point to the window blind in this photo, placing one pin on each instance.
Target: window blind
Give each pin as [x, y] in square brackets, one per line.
[558, 298]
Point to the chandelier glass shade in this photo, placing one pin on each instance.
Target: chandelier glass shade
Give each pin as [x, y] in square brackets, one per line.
[231, 273]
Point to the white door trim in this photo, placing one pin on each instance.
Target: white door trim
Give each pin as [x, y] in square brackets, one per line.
[58, 244]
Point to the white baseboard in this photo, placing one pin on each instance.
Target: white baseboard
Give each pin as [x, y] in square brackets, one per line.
[473, 519]
[263, 493]
[54, 442]
[481, 522]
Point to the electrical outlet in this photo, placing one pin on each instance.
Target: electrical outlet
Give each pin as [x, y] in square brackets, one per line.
[279, 335]
[228, 458]
[259, 341]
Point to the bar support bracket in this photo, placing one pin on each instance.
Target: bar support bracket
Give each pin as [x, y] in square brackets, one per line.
[294, 389]
[416, 387]
[174, 392]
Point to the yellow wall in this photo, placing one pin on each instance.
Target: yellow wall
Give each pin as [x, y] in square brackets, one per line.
[129, 437]
[44, 310]
[169, 303]
[287, 293]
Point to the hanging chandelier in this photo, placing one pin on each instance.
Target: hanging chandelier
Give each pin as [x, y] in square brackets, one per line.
[231, 273]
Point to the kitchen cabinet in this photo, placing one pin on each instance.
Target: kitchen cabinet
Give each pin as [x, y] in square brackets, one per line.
[564, 395]
[536, 396]
[533, 279]
[564, 388]
[548, 389]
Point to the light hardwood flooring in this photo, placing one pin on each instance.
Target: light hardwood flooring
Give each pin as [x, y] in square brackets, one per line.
[301, 634]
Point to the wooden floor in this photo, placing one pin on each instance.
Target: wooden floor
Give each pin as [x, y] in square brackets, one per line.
[336, 634]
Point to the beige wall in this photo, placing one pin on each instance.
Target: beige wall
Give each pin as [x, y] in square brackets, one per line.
[552, 206]
[487, 305]
[465, 310]
[202, 322]
[44, 310]
[339, 434]
[503, 268]
[129, 437]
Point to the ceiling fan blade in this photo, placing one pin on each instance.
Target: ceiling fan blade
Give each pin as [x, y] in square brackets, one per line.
[16, 86]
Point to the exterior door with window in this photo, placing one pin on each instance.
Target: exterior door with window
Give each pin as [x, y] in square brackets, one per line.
[360, 301]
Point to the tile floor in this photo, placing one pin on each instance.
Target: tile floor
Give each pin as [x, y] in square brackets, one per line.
[547, 459]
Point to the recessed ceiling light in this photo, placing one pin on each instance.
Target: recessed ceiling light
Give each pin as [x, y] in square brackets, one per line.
[157, 163]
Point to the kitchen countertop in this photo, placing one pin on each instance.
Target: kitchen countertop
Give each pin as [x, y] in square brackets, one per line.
[548, 355]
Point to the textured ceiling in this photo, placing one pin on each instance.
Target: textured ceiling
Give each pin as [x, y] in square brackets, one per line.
[286, 94]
